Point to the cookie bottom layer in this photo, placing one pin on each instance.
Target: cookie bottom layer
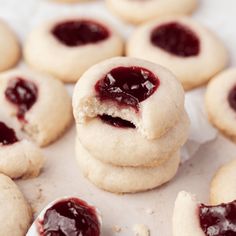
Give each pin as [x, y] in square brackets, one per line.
[124, 179]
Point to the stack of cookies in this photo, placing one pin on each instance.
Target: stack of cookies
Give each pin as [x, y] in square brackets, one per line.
[131, 123]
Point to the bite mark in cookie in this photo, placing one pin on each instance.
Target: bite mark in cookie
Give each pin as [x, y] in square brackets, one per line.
[7, 135]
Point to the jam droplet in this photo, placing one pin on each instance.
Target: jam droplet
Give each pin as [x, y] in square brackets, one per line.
[127, 86]
[23, 94]
[218, 220]
[117, 122]
[80, 32]
[71, 217]
[176, 39]
[232, 98]
[7, 135]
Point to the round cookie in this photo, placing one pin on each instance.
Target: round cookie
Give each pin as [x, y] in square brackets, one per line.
[9, 47]
[41, 104]
[138, 11]
[129, 148]
[221, 102]
[125, 179]
[223, 184]
[195, 219]
[178, 43]
[67, 47]
[16, 215]
[19, 158]
[137, 91]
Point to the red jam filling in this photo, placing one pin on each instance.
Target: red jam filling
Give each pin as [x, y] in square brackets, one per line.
[23, 94]
[7, 135]
[81, 32]
[218, 220]
[176, 39]
[116, 122]
[71, 217]
[127, 86]
[232, 98]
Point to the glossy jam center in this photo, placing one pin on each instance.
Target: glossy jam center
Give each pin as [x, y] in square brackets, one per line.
[127, 86]
[81, 32]
[117, 122]
[218, 220]
[7, 135]
[71, 217]
[23, 94]
[232, 98]
[176, 39]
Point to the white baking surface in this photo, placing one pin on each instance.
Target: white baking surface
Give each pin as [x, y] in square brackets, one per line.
[61, 177]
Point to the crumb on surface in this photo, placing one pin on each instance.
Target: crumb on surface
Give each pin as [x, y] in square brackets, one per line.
[141, 230]
[150, 211]
[116, 229]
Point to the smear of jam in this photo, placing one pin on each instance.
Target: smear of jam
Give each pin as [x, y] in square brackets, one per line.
[23, 94]
[232, 98]
[127, 86]
[116, 122]
[218, 220]
[176, 39]
[71, 217]
[7, 135]
[80, 32]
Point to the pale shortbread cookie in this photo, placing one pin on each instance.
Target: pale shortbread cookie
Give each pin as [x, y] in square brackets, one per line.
[185, 217]
[126, 147]
[44, 52]
[196, 219]
[16, 214]
[221, 102]
[125, 179]
[9, 47]
[49, 115]
[223, 185]
[21, 160]
[138, 11]
[156, 114]
[197, 66]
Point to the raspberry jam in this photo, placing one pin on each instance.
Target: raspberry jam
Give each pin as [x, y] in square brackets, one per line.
[127, 86]
[232, 98]
[7, 135]
[81, 32]
[218, 220]
[176, 39]
[117, 122]
[70, 217]
[23, 94]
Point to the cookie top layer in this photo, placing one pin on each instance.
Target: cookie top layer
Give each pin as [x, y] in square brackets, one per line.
[137, 91]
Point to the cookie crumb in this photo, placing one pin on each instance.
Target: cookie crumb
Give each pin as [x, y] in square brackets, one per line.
[116, 229]
[141, 230]
[150, 211]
